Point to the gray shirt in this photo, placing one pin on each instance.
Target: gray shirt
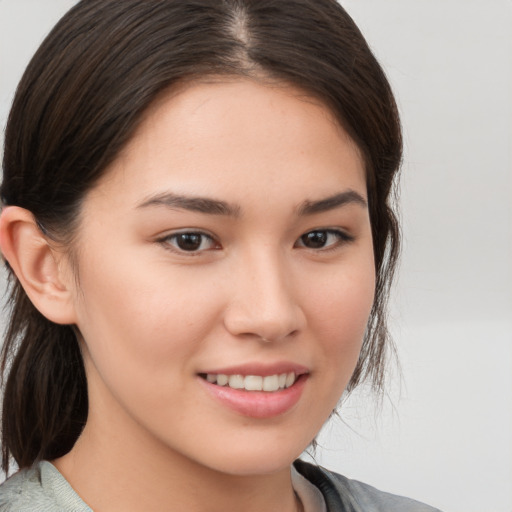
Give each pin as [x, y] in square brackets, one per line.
[43, 489]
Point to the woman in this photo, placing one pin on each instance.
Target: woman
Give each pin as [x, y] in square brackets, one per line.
[197, 224]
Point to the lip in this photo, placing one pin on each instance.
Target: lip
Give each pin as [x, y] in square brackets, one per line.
[258, 404]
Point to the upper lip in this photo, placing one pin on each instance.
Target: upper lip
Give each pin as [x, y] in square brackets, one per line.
[260, 369]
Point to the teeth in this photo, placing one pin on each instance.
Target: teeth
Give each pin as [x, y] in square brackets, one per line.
[222, 380]
[253, 383]
[236, 382]
[290, 379]
[270, 383]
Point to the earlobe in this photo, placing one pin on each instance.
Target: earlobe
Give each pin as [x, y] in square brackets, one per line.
[37, 265]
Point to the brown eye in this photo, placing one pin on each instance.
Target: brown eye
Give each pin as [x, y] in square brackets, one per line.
[315, 239]
[190, 241]
[323, 239]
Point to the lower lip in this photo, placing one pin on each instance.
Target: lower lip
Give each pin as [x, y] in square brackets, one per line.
[258, 404]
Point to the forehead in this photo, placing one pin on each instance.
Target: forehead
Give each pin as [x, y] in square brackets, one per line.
[214, 135]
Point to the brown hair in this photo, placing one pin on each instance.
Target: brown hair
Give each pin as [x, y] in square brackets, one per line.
[81, 99]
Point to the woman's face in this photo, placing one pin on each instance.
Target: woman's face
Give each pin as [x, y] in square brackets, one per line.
[229, 242]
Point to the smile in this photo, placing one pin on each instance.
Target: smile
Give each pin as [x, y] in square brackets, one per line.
[256, 396]
[269, 383]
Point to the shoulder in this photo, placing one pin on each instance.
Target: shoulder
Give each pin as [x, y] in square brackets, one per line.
[24, 491]
[40, 488]
[342, 494]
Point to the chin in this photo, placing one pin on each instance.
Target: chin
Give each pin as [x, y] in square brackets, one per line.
[258, 465]
[258, 458]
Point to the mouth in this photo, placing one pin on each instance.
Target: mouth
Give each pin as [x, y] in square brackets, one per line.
[257, 396]
[267, 383]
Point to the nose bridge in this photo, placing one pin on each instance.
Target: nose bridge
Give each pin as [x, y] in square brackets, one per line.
[265, 303]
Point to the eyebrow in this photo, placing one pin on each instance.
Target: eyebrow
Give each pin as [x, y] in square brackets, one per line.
[216, 207]
[195, 204]
[332, 202]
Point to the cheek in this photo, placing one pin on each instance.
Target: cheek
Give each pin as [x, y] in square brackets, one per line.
[338, 317]
[144, 314]
[340, 312]
[142, 332]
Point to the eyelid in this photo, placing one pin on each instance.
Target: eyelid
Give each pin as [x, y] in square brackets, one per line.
[164, 240]
[341, 234]
[343, 237]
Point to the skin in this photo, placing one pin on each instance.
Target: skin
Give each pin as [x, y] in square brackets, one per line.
[153, 316]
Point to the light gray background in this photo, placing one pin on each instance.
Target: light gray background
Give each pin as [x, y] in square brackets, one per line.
[444, 436]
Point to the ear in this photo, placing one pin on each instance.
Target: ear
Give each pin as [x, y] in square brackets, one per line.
[42, 271]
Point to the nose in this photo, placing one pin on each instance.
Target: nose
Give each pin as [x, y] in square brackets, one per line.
[264, 304]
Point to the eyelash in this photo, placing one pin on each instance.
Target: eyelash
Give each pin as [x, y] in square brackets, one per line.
[167, 242]
[341, 238]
